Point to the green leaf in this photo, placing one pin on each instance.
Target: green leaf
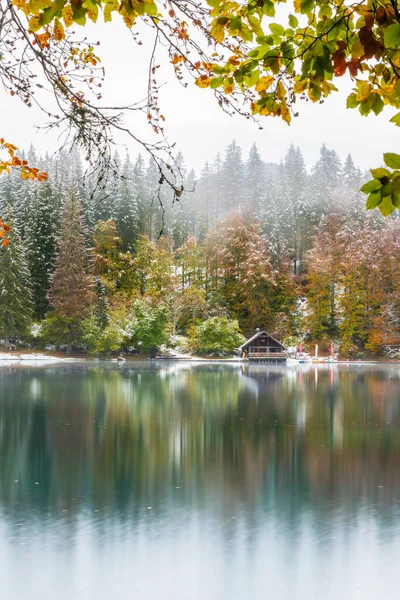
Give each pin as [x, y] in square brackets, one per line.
[352, 101]
[373, 200]
[386, 190]
[306, 6]
[277, 29]
[252, 78]
[151, 9]
[396, 119]
[386, 207]
[293, 21]
[380, 173]
[376, 103]
[396, 185]
[269, 8]
[392, 160]
[235, 24]
[371, 186]
[216, 82]
[79, 15]
[396, 200]
[47, 16]
[392, 36]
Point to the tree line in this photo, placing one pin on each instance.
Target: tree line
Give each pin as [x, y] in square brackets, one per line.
[113, 263]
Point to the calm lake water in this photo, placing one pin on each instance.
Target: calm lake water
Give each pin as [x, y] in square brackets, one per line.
[178, 481]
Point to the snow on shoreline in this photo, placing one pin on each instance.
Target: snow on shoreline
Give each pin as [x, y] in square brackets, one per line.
[29, 358]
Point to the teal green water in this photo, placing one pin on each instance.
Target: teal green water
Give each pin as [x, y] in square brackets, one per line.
[179, 481]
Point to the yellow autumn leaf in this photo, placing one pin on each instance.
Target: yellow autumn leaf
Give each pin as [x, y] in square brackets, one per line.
[58, 30]
[229, 85]
[218, 33]
[129, 20]
[35, 6]
[280, 90]
[21, 5]
[34, 24]
[263, 83]
[110, 7]
[286, 115]
[92, 9]
[203, 81]
[67, 15]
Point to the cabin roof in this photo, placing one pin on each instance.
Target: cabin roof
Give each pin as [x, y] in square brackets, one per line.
[258, 334]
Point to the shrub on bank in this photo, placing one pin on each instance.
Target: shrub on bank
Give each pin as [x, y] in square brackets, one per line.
[217, 335]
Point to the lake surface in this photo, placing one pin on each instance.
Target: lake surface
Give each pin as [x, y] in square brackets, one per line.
[184, 481]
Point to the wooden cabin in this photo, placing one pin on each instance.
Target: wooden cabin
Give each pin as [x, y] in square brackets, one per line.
[263, 347]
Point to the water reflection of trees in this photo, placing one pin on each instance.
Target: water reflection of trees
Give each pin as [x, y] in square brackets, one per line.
[76, 437]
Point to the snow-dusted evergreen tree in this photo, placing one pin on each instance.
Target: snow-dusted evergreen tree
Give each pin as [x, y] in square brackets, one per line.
[126, 210]
[350, 175]
[14, 193]
[232, 178]
[41, 230]
[255, 179]
[297, 216]
[204, 200]
[271, 213]
[153, 212]
[6, 198]
[217, 186]
[325, 178]
[139, 186]
[24, 192]
[15, 288]
[184, 212]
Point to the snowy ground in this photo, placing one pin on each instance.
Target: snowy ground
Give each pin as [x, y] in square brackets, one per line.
[6, 358]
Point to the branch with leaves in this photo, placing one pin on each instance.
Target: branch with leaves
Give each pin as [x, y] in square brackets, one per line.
[256, 67]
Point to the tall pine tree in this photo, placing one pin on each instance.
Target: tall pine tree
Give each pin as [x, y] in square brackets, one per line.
[41, 244]
[15, 288]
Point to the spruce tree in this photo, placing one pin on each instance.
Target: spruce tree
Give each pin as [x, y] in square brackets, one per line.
[205, 196]
[126, 210]
[41, 244]
[139, 185]
[255, 179]
[325, 178]
[232, 178]
[15, 288]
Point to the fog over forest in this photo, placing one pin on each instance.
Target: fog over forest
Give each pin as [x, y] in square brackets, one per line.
[270, 245]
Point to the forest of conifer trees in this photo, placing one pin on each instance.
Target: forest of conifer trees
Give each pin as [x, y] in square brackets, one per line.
[117, 264]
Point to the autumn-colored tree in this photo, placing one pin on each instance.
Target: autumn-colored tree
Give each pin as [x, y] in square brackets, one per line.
[324, 267]
[152, 268]
[71, 291]
[190, 260]
[110, 262]
[239, 270]
[188, 307]
[370, 285]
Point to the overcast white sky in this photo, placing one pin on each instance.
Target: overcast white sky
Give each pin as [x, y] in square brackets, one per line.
[200, 128]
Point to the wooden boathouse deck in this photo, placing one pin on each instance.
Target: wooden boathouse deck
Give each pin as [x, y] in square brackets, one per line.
[268, 356]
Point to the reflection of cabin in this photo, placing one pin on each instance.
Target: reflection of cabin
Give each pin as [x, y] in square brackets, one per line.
[262, 346]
